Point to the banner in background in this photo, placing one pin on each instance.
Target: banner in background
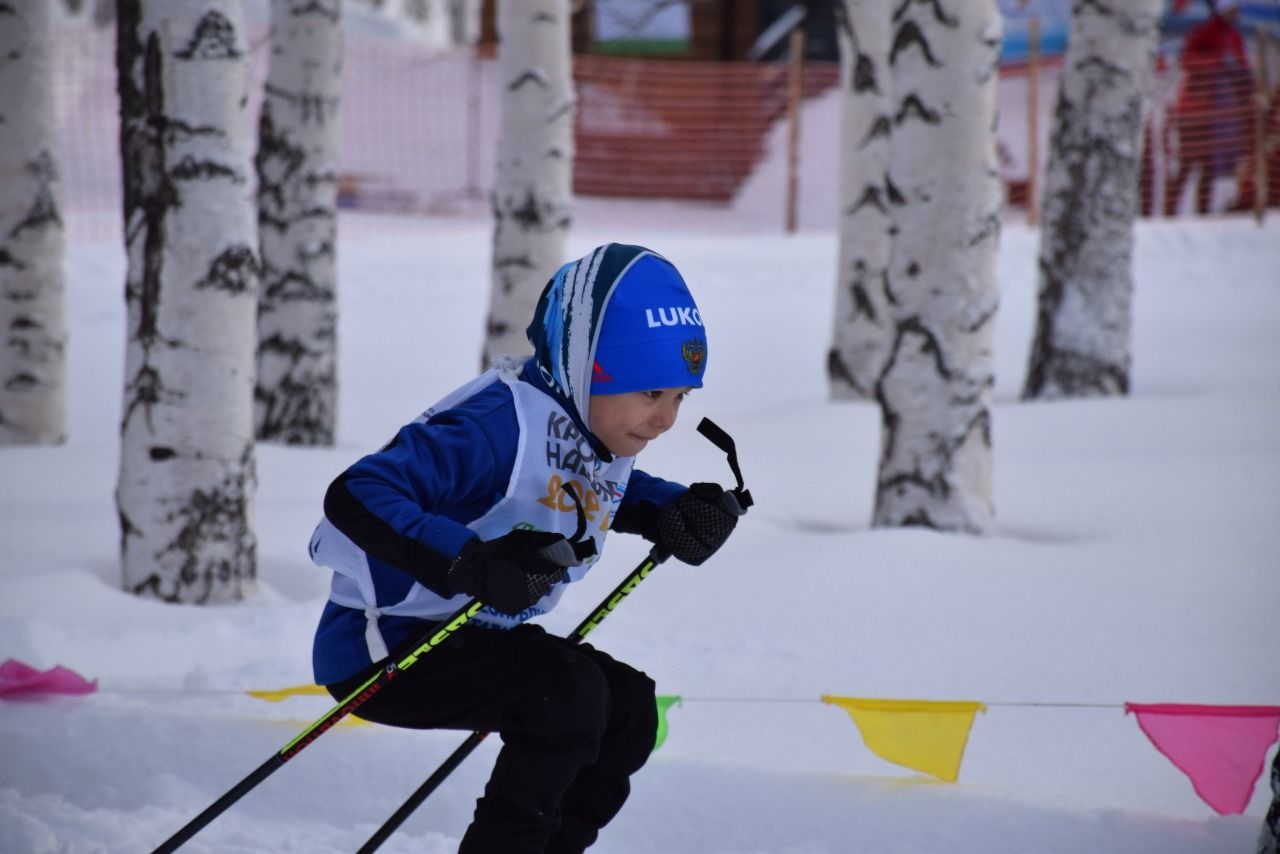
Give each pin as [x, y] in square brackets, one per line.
[1221, 749]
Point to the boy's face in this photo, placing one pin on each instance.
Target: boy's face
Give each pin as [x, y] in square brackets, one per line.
[625, 423]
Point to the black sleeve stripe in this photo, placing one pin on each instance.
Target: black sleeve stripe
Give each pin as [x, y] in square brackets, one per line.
[427, 566]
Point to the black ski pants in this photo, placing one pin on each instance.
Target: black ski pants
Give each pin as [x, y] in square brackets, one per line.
[575, 725]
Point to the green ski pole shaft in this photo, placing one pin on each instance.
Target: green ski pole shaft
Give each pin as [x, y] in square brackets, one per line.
[323, 724]
[606, 607]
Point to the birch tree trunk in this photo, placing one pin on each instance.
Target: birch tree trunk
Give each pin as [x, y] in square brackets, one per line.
[33, 361]
[935, 389]
[1083, 330]
[186, 465]
[861, 334]
[532, 193]
[295, 400]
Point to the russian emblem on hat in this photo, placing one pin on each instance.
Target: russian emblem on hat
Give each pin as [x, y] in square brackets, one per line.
[694, 352]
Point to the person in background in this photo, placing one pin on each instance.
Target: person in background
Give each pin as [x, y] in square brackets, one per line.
[1213, 117]
[505, 491]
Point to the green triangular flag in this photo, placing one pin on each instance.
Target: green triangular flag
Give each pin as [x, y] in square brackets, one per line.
[665, 701]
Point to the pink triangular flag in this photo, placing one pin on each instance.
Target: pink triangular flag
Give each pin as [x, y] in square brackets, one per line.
[23, 680]
[1221, 748]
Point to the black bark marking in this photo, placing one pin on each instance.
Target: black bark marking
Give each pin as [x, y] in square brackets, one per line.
[145, 391]
[898, 486]
[44, 211]
[863, 306]
[527, 77]
[331, 11]
[311, 106]
[989, 228]
[864, 76]
[297, 410]
[214, 38]
[894, 194]
[21, 382]
[564, 109]
[196, 169]
[148, 192]
[528, 213]
[234, 270]
[276, 160]
[913, 107]
[217, 516]
[935, 6]
[871, 196]
[881, 127]
[293, 286]
[908, 35]
[838, 371]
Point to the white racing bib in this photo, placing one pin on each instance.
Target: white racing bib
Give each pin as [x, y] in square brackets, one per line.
[552, 454]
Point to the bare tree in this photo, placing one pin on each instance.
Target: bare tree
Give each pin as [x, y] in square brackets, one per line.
[862, 328]
[186, 478]
[532, 193]
[934, 390]
[295, 399]
[33, 359]
[1083, 330]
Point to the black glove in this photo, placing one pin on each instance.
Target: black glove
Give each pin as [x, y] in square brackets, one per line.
[513, 571]
[696, 524]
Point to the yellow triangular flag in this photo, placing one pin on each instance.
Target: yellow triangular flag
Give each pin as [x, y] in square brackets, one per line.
[302, 690]
[286, 693]
[925, 735]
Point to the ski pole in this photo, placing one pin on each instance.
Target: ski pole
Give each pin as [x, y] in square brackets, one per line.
[655, 557]
[578, 549]
[740, 502]
[375, 683]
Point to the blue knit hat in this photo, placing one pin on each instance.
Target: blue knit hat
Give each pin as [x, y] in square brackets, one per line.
[652, 335]
[618, 319]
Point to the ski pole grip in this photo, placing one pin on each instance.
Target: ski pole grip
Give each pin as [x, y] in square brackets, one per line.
[735, 503]
[565, 553]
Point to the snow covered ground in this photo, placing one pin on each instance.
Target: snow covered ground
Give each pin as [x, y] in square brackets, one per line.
[1136, 560]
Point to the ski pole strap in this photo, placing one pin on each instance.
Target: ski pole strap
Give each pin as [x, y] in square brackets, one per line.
[582, 546]
[723, 441]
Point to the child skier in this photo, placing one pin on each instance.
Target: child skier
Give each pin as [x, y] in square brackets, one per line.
[477, 498]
